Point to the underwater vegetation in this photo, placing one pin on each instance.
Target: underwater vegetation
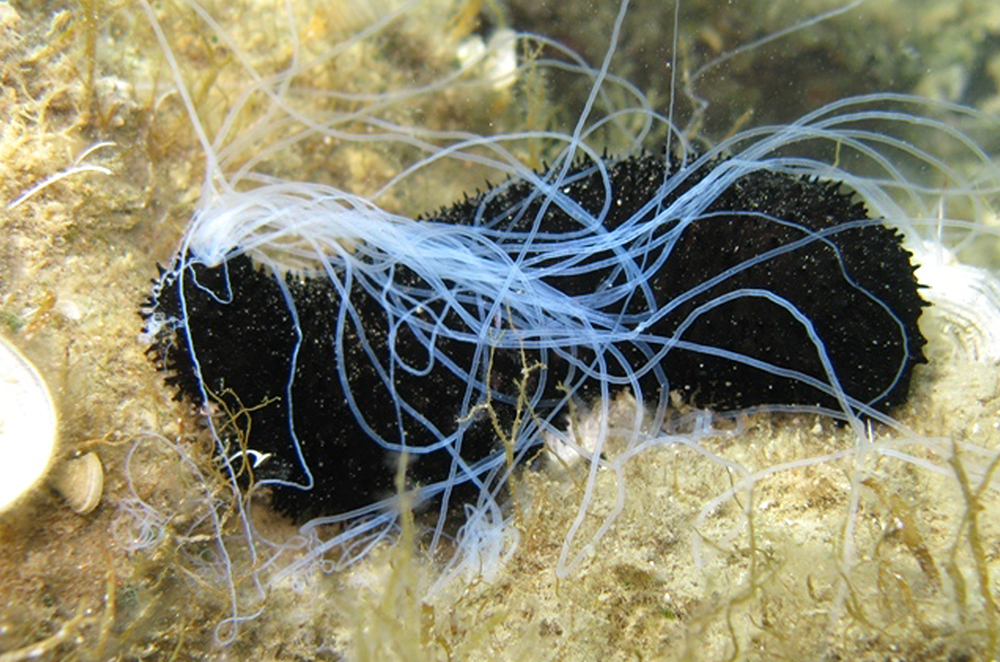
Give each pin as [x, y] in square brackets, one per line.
[476, 348]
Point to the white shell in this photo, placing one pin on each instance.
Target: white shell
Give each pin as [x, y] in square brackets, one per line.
[27, 425]
[966, 304]
[81, 482]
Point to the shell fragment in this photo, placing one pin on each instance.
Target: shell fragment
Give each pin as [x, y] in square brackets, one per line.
[81, 482]
[27, 425]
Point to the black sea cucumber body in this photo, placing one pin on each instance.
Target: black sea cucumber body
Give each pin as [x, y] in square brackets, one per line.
[709, 325]
[245, 347]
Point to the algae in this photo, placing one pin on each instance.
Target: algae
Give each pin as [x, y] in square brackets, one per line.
[853, 556]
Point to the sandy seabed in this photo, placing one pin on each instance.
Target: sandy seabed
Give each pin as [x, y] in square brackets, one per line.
[852, 556]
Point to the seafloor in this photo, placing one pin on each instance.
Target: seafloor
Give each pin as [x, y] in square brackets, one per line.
[846, 559]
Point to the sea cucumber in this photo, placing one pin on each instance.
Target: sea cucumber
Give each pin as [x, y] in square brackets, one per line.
[734, 286]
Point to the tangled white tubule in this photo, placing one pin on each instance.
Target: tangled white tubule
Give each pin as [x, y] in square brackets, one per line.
[885, 147]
